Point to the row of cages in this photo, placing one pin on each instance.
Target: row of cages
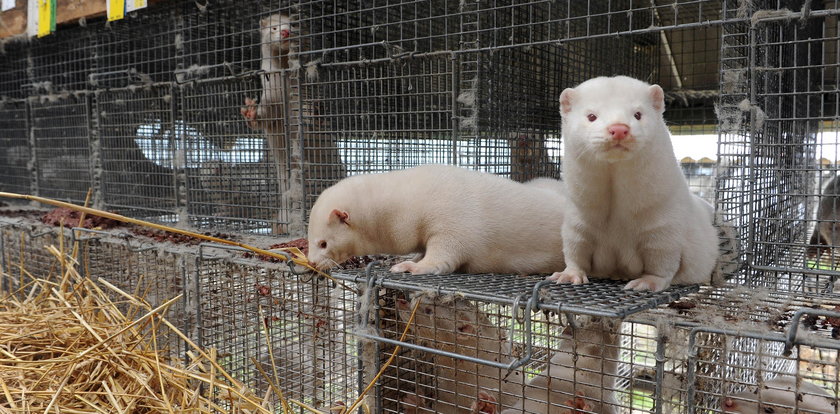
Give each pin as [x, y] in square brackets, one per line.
[197, 114]
[467, 343]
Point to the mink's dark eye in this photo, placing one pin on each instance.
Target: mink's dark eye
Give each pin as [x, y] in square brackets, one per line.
[637, 115]
[322, 244]
[769, 410]
[428, 310]
[591, 117]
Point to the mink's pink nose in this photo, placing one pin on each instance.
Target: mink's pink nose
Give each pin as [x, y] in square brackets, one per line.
[618, 131]
[284, 33]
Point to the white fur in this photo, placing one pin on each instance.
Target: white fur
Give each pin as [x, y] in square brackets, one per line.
[295, 159]
[780, 394]
[630, 213]
[459, 219]
[275, 51]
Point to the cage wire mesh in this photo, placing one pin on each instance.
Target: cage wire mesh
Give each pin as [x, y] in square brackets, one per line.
[420, 380]
[163, 97]
[484, 317]
[15, 175]
[308, 353]
[147, 273]
[24, 256]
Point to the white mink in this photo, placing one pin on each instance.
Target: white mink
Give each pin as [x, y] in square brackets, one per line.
[456, 325]
[275, 46]
[297, 155]
[779, 396]
[580, 376]
[458, 219]
[630, 214]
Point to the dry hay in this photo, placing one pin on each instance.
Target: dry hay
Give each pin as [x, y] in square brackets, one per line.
[66, 347]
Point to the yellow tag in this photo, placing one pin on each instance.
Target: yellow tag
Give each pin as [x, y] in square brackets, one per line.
[116, 10]
[44, 17]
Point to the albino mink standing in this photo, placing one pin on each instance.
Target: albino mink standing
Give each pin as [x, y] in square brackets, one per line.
[779, 396]
[269, 114]
[306, 156]
[275, 47]
[630, 214]
[458, 219]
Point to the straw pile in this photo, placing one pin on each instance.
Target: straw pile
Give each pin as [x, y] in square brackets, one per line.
[66, 347]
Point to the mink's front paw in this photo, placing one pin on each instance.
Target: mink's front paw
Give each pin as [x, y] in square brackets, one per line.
[574, 277]
[249, 112]
[648, 282]
[403, 267]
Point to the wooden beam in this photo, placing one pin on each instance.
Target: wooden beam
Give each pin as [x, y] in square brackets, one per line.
[13, 22]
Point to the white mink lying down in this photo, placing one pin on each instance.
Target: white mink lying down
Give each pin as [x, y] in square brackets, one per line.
[629, 212]
[779, 396]
[457, 219]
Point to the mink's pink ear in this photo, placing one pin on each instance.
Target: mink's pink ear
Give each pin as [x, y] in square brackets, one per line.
[657, 98]
[566, 99]
[402, 304]
[339, 215]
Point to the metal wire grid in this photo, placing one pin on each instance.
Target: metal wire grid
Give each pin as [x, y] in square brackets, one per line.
[23, 254]
[732, 174]
[140, 50]
[428, 26]
[308, 325]
[235, 184]
[707, 346]
[664, 364]
[385, 114]
[769, 122]
[62, 151]
[740, 364]
[719, 342]
[57, 69]
[355, 31]
[511, 123]
[57, 65]
[236, 174]
[138, 128]
[192, 47]
[443, 383]
[13, 75]
[148, 273]
[16, 159]
[133, 124]
[601, 297]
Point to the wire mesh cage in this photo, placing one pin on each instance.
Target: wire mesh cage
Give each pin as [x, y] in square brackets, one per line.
[24, 257]
[237, 115]
[150, 274]
[273, 327]
[198, 115]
